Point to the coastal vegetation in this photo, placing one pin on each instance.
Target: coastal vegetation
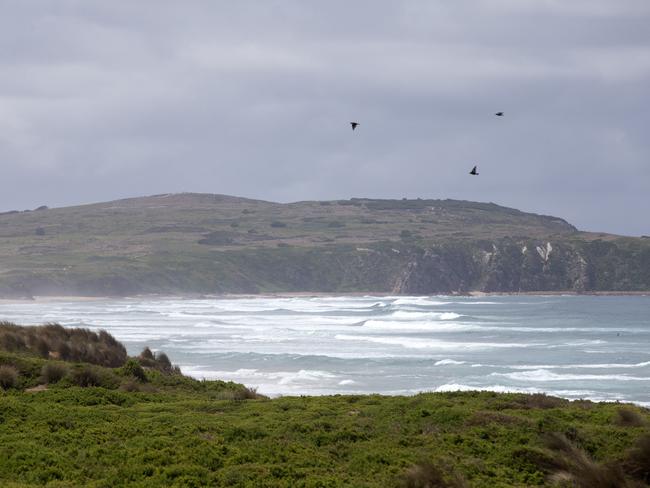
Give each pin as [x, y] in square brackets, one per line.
[201, 243]
[142, 423]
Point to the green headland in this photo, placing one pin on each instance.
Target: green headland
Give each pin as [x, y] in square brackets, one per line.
[202, 243]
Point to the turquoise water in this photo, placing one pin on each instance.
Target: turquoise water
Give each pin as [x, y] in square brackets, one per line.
[595, 347]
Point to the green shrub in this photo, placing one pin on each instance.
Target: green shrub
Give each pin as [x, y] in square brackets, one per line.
[133, 368]
[628, 417]
[86, 376]
[8, 377]
[53, 372]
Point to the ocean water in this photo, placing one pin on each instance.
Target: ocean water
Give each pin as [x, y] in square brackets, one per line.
[595, 347]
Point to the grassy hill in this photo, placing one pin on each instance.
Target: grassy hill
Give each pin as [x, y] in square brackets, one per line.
[142, 423]
[200, 243]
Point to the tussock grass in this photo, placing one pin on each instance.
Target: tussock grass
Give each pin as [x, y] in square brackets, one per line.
[629, 417]
[425, 474]
[53, 372]
[58, 342]
[8, 377]
[573, 467]
[637, 460]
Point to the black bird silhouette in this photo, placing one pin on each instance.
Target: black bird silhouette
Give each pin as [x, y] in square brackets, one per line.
[474, 172]
[499, 114]
[354, 125]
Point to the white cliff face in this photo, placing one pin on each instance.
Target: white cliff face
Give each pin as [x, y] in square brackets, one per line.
[545, 252]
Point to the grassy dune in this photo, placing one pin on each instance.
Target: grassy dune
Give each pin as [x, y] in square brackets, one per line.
[161, 428]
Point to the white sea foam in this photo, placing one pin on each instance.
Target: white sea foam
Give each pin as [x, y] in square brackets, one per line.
[418, 301]
[281, 377]
[417, 326]
[444, 362]
[579, 366]
[301, 376]
[414, 343]
[546, 375]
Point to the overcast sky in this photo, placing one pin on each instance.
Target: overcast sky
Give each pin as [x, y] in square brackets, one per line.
[101, 100]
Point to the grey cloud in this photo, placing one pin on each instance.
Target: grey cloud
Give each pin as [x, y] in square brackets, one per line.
[101, 100]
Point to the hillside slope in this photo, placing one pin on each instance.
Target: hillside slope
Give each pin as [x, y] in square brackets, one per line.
[201, 243]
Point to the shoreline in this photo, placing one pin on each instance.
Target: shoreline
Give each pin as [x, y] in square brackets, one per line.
[306, 294]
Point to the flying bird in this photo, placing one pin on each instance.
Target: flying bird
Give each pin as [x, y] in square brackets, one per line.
[354, 125]
[474, 172]
[499, 114]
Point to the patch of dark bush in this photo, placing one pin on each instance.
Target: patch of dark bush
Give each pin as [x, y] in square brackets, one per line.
[8, 377]
[637, 460]
[53, 372]
[628, 417]
[425, 474]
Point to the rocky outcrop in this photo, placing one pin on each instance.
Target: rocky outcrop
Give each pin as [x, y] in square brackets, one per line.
[511, 266]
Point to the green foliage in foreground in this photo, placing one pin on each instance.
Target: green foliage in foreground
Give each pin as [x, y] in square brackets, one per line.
[188, 435]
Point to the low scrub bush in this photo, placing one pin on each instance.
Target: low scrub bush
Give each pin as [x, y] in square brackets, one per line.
[540, 401]
[240, 394]
[132, 368]
[8, 377]
[425, 474]
[628, 417]
[86, 376]
[53, 372]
